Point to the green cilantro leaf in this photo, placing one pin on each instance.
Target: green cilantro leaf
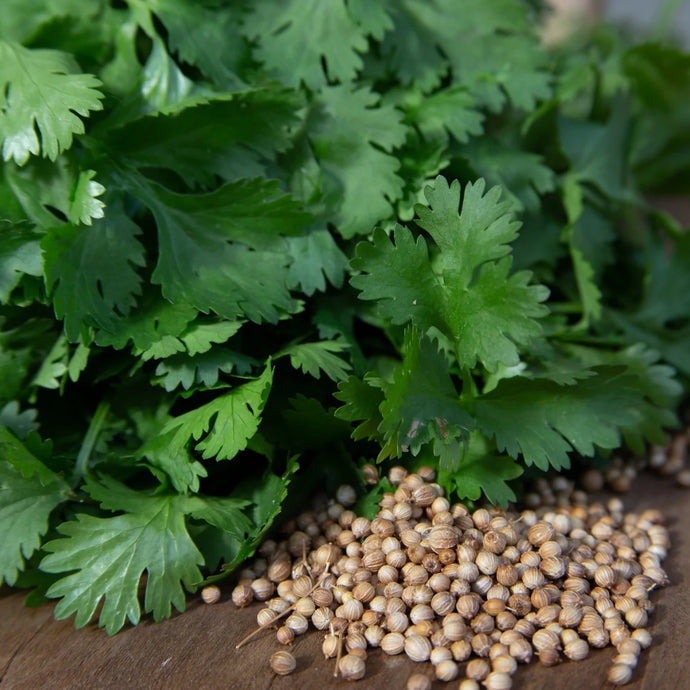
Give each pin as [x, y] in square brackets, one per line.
[91, 271]
[597, 152]
[351, 132]
[84, 206]
[206, 37]
[658, 389]
[175, 460]
[22, 459]
[482, 471]
[400, 277]
[108, 556]
[160, 84]
[314, 358]
[267, 494]
[25, 507]
[19, 423]
[452, 110]
[29, 492]
[202, 369]
[152, 320]
[41, 91]
[225, 513]
[226, 423]
[230, 136]
[475, 42]
[362, 402]
[20, 254]
[421, 404]
[544, 421]
[294, 36]
[661, 318]
[315, 258]
[485, 312]
[222, 251]
[53, 366]
[522, 174]
[196, 339]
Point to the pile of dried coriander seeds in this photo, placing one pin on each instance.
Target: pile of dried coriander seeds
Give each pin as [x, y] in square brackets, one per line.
[435, 582]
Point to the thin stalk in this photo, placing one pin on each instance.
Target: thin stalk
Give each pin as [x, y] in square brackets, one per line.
[81, 466]
[284, 613]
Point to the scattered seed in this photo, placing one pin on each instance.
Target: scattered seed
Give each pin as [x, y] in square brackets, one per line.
[283, 663]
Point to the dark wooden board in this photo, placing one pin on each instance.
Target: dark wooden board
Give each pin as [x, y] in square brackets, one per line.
[197, 649]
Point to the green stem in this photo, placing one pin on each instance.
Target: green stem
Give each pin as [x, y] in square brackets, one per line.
[566, 308]
[81, 466]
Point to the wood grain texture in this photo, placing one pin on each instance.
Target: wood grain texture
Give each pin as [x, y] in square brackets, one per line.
[197, 649]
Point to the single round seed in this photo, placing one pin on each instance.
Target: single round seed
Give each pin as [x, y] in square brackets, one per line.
[498, 680]
[284, 635]
[619, 674]
[446, 670]
[439, 654]
[461, 650]
[346, 495]
[263, 588]
[352, 609]
[504, 663]
[467, 605]
[242, 595]
[605, 576]
[468, 684]
[264, 617]
[540, 532]
[418, 681]
[545, 639]
[576, 650]
[643, 636]
[478, 669]
[553, 567]
[521, 651]
[305, 606]
[210, 594]
[598, 638]
[481, 644]
[494, 606]
[636, 618]
[506, 575]
[630, 646]
[352, 667]
[443, 603]
[355, 640]
[442, 537]
[549, 656]
[397, 622]
[424, 496]
[494, 542]
[297, 623]
[417, 648]
[283, 663]
[280, 569]
[533, 578]
[393, 643]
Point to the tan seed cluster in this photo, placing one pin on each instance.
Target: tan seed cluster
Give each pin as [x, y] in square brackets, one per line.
[669, 460]
[439, 583]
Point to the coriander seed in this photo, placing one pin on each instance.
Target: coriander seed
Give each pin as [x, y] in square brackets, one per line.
[283, 663]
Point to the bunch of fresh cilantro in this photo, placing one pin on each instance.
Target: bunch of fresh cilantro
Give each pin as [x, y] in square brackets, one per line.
[245, 246]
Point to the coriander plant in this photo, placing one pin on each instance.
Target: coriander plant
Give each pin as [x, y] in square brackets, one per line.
[247, 246]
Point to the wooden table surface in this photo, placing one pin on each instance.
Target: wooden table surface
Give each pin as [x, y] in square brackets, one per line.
[196, 649]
